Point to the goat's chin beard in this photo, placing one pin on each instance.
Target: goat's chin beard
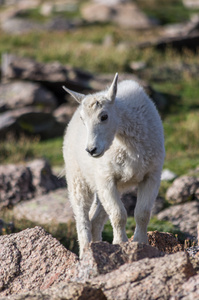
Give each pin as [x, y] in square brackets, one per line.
[98, 155]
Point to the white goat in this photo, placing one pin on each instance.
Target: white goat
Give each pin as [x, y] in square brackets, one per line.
[114, 140]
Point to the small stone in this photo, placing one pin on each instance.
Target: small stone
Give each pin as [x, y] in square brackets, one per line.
[46, 9]
[168, 175]
[183, 189]
[137, 65]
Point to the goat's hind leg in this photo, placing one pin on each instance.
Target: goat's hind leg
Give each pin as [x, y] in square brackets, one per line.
[147, 193]
[98, 218]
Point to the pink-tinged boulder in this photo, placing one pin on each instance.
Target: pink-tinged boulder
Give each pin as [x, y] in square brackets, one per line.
[32, 260]
[155, 278]
[102, 257]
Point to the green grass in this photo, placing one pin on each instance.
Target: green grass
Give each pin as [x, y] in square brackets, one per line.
[32, 14]
[154, 224]
[66, 233]
[26, 148]
[69, 12]
[181, 126]
[166, 11]
[51, 150]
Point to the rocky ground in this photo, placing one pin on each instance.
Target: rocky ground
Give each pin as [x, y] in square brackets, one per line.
[34, 205]
[34, 265]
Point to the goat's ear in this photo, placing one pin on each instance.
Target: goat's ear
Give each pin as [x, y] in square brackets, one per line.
[77, 96]
[112, 91]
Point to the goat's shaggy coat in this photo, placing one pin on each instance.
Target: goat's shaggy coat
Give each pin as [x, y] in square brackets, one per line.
[114, 141]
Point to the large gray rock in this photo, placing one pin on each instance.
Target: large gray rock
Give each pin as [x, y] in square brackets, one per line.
[178, 42]
[51, 209]
[23, 182]
[21, 94]
[19, 26]
[178, 36]
[15, 184]
[32, 260]
[183, 189]
[184, 216]
[31, 121]
[125, 14]
[43, 177]
[182, 29]
[51, 75]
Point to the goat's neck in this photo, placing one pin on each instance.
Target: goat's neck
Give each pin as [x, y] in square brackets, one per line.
[121, 132]
[126, 133]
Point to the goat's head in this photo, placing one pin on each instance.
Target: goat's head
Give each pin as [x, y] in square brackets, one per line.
[98, 114]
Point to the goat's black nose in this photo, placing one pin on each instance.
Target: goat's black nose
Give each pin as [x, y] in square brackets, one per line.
[91, 151]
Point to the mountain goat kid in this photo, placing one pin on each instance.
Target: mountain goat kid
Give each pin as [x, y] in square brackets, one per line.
[114, 141]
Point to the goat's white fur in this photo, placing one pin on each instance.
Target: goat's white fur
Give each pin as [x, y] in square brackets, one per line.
[128, 150]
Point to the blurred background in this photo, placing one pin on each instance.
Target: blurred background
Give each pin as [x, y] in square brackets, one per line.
[82, 44]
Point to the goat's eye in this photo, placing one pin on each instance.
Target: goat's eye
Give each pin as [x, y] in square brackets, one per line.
[104, 118]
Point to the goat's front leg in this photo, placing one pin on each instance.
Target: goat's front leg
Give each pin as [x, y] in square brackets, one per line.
[81, 202]
[147, 193]
[110, 199]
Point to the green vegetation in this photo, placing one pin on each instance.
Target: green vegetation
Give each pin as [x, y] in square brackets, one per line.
[166, 11]
[66, 233]
[181, 126]
[25, 148]
[69, 11]
[154, 224]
